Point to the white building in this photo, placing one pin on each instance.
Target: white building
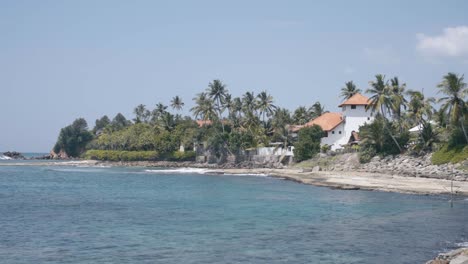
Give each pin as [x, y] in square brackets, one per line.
[341, 128]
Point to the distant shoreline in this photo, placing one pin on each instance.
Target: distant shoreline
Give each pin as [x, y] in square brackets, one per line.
[343, 180]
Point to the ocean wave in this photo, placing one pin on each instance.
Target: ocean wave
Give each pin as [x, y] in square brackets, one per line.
[3, 157]
[462, 244]
[181, 170]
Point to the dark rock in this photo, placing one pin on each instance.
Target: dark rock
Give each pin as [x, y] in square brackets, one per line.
[14, 155]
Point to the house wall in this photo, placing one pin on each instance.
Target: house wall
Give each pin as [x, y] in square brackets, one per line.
[334, 140]
[354, 118]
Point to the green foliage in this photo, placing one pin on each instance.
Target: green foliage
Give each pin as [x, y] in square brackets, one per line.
[456, 138]
[452, 155]
[115, 155]
[366, 154]
[73, 138]
[182, 156]
[325, 148]
[378, 136]
[308, 143]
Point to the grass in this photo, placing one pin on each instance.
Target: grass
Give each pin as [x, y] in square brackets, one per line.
[118, 155]
[450, 155]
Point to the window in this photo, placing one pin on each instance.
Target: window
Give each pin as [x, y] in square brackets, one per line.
[333, 132]
[368, 118]
[325, 134]
[353, 106]
[339, 132]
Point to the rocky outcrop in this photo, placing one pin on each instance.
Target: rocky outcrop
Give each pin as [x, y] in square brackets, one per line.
[14, 155]
[457, 256]
[62, 155]
[409, 166]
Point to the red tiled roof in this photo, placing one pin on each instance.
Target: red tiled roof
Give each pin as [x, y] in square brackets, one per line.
[327, 121]
[357, 99]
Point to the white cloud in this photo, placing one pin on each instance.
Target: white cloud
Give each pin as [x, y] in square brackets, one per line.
[453, 42]
[384, 55]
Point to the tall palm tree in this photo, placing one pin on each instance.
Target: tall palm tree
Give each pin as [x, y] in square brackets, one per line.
[380, 100]
[349, 90]
[216, 91]
[301, 115]
[455, 89]
[140, 113]
[249, 104]
[316, 110]
[204, 107]
[397, 97]
[265, 104]
[237, 107]
[158, 112]
[176, 103]
[380, 95]
[419, 107]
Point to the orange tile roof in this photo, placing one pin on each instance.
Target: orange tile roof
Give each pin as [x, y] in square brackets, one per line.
[357, 99]
[327, 121]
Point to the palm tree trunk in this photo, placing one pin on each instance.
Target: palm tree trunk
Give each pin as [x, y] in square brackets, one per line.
[389, 131]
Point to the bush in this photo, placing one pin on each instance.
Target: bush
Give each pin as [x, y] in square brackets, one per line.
[366, 154]
[115, 155]
[452, 155]
[308, 143]
[182, 156]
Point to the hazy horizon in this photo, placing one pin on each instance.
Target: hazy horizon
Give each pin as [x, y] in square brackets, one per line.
[64, 60]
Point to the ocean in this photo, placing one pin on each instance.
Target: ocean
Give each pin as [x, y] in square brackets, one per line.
[64, 214]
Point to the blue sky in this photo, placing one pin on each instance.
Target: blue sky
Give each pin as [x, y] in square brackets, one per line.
[60, 60]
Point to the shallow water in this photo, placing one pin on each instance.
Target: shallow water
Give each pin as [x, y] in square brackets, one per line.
[132, 215]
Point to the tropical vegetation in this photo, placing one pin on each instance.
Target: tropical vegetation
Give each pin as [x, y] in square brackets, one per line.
[223, 125]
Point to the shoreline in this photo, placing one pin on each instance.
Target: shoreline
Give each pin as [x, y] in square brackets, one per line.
[343, 180]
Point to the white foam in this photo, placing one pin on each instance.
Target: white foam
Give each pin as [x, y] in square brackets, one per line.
[248, 174]
[181, 170]
[462, 244]
[3, 157]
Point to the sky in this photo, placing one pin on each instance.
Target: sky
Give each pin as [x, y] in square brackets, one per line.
[60, 60]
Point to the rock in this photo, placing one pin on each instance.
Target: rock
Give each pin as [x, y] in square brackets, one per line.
[14, 155]
[316, 168]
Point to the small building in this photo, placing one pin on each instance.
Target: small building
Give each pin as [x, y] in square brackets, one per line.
[341, 127]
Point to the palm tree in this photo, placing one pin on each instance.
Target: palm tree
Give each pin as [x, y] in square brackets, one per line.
[157, 112]
[380, 95]
[397, 97]
[140, 113]
[176, 103]
[249, 103]
[204, 107]
[217, 92]
[265, 104]
[301, 116]
[349, 90]
[453, 103]
[236, 107]
[381, 100]
[419, 107]
[316, 110]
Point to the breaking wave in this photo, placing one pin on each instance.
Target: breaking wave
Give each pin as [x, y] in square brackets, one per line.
[181, 170]
[3, 157]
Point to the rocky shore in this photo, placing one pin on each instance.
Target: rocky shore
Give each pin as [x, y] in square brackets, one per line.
[457, 256]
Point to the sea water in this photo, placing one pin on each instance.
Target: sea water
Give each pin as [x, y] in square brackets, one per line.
[63, 214]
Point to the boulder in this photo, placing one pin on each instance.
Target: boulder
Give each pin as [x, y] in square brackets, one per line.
[14, 155]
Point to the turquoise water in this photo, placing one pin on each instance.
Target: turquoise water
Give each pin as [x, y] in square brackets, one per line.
[129, 215]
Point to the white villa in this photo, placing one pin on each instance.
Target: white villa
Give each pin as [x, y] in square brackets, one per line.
[341, 128]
